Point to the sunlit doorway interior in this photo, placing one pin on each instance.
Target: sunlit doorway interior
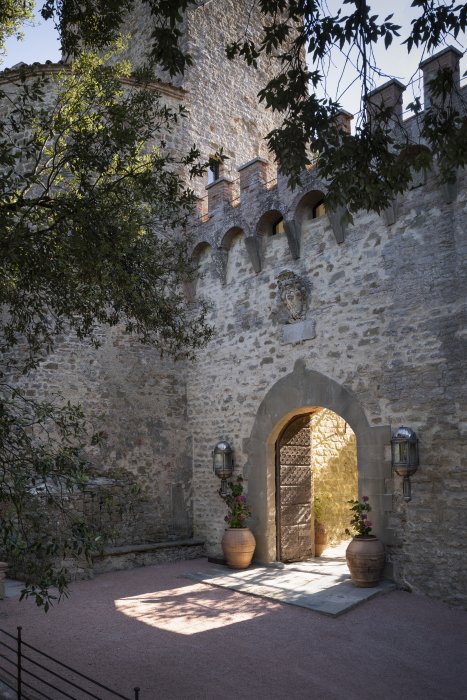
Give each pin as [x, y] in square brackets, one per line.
[316, 476]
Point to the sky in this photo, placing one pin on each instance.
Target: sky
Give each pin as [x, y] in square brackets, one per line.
[41, 43]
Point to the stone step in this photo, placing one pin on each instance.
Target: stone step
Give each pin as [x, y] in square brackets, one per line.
[146, 554]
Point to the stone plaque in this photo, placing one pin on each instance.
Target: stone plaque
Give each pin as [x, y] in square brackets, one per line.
[299, 331]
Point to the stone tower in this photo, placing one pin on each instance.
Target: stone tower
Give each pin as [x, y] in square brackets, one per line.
[220, 95]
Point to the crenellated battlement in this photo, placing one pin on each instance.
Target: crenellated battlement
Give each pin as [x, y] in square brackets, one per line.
[259, 197]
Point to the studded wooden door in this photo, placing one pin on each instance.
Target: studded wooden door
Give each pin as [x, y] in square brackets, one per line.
[293, 491]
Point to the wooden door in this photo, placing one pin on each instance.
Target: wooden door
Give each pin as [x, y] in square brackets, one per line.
[294, 491]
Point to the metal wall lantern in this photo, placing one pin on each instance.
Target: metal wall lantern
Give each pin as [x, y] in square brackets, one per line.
[223, 463]
[404, 447]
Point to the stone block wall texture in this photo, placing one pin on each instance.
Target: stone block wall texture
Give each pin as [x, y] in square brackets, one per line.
[221, 115]
[134, 397]
[335, 475]
[389, 308]
[139, 401]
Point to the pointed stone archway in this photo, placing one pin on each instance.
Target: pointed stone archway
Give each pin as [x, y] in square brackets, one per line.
[299, 393]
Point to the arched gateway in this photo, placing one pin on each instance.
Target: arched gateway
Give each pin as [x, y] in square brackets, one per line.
[299, 393]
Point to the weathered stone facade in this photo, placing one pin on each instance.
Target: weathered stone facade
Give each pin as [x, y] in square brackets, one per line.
[220, 96]
[378, 341]
[388, 307]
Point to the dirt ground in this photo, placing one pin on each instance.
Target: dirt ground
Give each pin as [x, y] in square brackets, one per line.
[178, 639]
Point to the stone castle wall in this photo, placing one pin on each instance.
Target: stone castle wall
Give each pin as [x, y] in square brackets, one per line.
[380, 340]
[139, 401]
[125, 389]
[385, 321]
[220, 95]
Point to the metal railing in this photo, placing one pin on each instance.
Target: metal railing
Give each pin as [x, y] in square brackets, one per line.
[33, 674]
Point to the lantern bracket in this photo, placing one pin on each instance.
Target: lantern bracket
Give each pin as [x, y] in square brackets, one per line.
[223, 463]
[404, 449]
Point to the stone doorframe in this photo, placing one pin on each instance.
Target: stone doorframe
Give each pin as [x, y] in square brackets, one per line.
[299, 392]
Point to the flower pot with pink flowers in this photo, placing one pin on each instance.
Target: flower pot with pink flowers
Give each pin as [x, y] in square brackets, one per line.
[365, 553]
[238, 542]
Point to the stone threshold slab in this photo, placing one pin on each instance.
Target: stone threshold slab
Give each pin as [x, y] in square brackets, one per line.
[320, 592]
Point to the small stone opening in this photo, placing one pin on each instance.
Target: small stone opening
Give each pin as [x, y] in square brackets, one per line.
[213, 171]
[278, 227]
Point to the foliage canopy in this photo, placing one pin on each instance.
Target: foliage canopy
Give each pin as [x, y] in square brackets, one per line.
[84, 186]
[92, 213]
[363, 170]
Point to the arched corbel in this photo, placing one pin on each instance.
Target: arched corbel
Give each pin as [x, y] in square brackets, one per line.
[220, 257]
[293, 238]
[338, 226]
[391, 212]
[252, 247]
[189, 290]
[450, 191]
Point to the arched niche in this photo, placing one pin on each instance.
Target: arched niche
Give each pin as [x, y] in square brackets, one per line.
[267, 222]
[300, 392]
[236, 258]
[278, 235]
[230, 237]
[202, 254]
[309, 208]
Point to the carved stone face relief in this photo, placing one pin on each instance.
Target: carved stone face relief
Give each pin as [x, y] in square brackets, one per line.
[293, 295]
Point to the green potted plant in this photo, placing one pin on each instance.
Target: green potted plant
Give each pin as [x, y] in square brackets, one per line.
[365, 553]
[321, 535]
[238, 542]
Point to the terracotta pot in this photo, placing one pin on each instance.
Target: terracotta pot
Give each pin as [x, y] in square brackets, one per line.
[365, 559]
[321, 538]
[238, 545]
